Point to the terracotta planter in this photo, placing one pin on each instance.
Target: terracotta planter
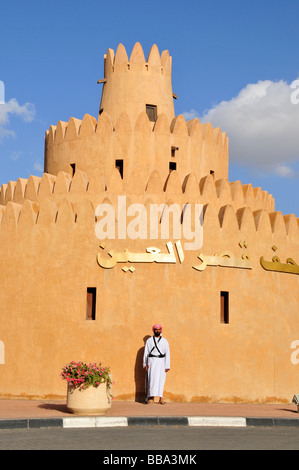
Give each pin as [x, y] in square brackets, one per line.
[90, 401]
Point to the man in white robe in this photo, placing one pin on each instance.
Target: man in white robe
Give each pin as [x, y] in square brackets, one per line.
[156, 361]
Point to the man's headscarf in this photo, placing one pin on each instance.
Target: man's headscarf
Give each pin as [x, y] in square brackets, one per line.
[157, 326]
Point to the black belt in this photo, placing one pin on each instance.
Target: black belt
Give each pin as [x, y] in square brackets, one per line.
[160, 355]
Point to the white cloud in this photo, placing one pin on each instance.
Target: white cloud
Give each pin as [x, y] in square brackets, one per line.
[12, 107]
[38, 167]
[192, 114]
[262, 123]
[286, 171]
[14, 156]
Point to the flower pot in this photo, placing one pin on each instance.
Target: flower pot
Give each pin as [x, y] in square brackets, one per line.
[89, 401]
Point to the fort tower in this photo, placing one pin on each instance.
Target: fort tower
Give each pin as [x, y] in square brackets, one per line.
[136, 85]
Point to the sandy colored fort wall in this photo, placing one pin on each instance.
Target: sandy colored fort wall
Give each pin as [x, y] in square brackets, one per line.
[49, 252]
[48, 259]
[92, 143]
[206, 190]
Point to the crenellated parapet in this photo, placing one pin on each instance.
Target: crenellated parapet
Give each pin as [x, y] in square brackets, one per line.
[72, 200]
[186, 146]
[207, 190]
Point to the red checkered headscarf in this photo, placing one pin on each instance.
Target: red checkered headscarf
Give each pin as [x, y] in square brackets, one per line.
[157, 326]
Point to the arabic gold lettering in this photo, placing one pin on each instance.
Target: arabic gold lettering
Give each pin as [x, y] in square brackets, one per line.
[276, 265]
[225, 259]
[152, 255]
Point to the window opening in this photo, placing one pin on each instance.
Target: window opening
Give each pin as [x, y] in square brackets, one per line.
[91, 303]
[119, 164]
[224, 307]
[173, 150]
[172, 166]
[73, 167]
[151, 111]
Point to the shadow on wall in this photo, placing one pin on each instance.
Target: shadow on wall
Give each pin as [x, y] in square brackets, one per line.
[139, 374]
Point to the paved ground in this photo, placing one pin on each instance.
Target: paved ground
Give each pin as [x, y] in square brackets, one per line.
[46, 424]
[20, 409]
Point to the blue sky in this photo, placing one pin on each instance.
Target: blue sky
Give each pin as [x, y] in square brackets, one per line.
[233, 64]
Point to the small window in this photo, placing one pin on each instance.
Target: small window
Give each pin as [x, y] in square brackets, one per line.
[119, 164]
[224, 307]
[172, 166]
[73, 167]
[151, 111]
[173, 150]
[212, 172]
[91, 303]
